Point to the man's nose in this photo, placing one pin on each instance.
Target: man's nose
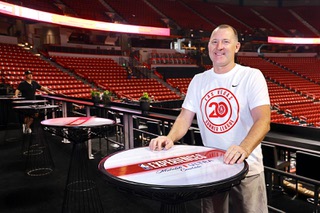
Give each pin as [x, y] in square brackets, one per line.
[219, 45]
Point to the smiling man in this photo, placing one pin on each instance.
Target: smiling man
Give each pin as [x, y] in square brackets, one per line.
[233, 113]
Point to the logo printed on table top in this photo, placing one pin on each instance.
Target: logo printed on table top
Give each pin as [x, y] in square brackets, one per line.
[165, 163]
[78, 121]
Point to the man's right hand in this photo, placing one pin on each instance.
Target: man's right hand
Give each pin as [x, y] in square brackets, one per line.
[157, 144]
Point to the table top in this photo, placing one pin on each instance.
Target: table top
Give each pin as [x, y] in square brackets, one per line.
[37, 107]
[29, 101]
[10, 97]
[77, 122]
[182, 166]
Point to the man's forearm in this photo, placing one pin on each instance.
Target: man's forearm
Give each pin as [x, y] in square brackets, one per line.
[46, 90]
[255, 135]
[16, 93]
[178, 130]
[181, 125]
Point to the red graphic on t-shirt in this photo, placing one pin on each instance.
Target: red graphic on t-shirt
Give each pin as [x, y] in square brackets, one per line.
[220, 110]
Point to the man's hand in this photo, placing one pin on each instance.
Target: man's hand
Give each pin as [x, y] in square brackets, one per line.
[160, 142]
[46, 89]
[235, 154]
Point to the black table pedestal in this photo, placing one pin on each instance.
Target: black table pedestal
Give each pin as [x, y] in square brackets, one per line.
[8, 121]
[173, 208]
[34, 147]
[81, 194]
[36, 150]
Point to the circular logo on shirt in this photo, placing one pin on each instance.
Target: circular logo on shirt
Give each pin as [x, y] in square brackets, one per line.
[220, 110]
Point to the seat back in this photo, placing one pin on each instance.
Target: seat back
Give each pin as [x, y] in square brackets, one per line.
[307, 165]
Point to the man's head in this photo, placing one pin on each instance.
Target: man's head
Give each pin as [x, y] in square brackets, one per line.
[28, 74]
[223, 46]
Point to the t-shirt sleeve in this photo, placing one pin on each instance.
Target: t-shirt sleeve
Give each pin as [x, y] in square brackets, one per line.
[20, 87]
[258, 91]
[38, 86]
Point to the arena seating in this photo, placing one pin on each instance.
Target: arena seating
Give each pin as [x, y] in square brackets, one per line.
[107, 74]
[289, 93]
[285, 18]
[180, 83]
[201, 15]
[88, 9]
[306, 67]
[293, 82]
[169, 8]
[15, 61]
[216, 14]
[42, 5]
[282, 76]
[170, 58]
[137, 13]
[134, 88]
[308, 14]
[249, 16]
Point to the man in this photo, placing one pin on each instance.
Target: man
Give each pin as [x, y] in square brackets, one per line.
[28, 88]
[233, 113]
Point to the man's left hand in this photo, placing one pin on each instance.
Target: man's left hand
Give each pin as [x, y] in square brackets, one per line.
[235, 154]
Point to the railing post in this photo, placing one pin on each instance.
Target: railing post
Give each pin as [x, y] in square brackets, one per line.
[128, 131]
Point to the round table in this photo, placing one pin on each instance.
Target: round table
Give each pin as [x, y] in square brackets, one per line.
[38, 157]
[81, 194]
[30, 101]
[77, 129]
[29, 104]
[37, 107]
[172, 176]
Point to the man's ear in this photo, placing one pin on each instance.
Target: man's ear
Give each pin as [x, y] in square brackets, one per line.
[238, 45]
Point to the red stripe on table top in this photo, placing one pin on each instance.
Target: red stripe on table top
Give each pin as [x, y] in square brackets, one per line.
[78, 121]
[152, 165]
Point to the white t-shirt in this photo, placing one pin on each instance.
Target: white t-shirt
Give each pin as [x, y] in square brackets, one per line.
[223, 102]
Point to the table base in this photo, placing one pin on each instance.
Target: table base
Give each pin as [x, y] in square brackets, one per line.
[36, 150]
[81, 193]
[173, 208]
[174, 202]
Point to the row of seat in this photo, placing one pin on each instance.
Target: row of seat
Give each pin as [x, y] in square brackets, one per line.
[112, 77]
[179, 83]
[43, 72]
[167, 55]
[171, 61]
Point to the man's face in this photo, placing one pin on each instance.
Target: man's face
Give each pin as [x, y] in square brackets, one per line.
[222, 47]
[29, 77]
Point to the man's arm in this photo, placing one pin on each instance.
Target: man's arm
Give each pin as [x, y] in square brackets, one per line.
[16, 93]
[178, 130]
[46, 90]
[261, 126]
